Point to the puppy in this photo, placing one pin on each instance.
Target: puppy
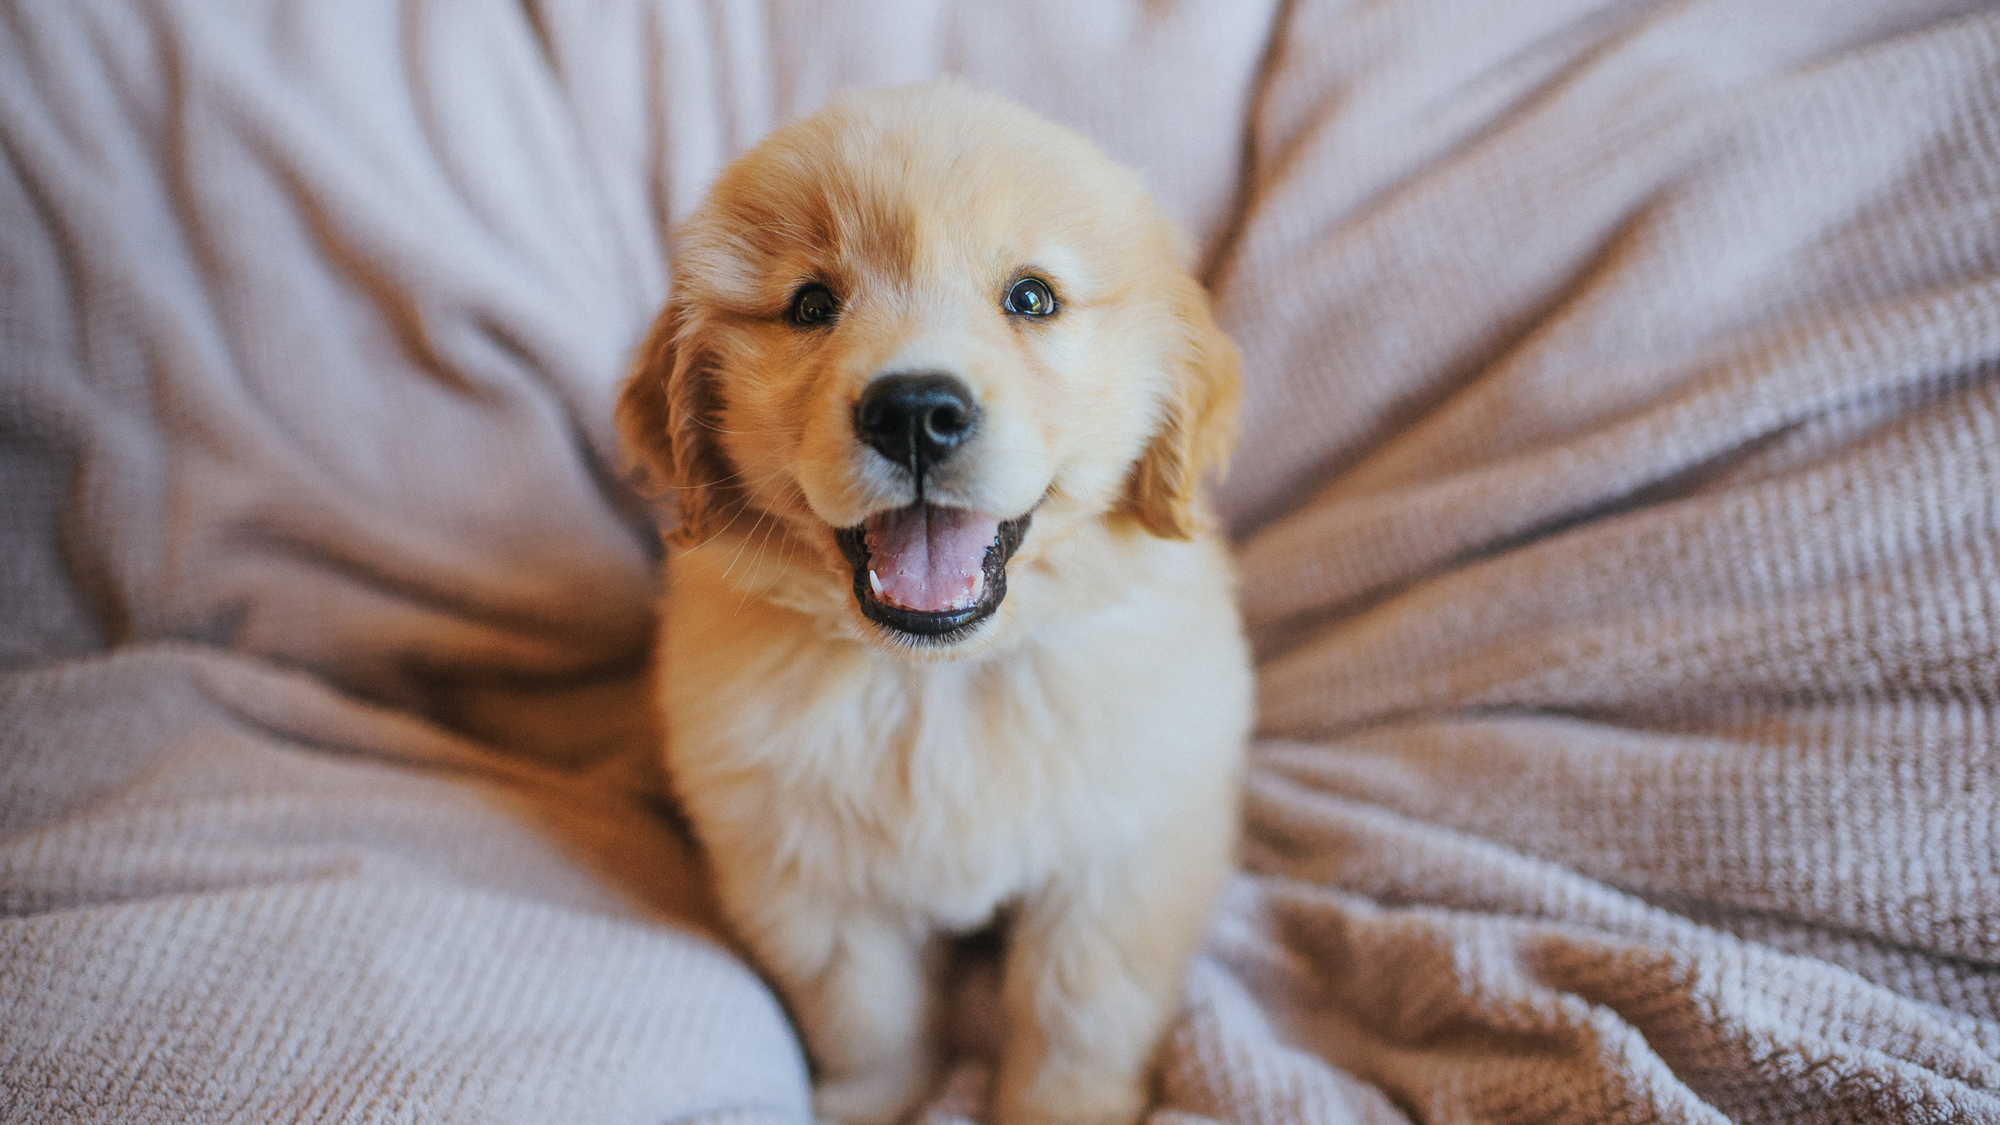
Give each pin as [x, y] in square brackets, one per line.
[945, 630]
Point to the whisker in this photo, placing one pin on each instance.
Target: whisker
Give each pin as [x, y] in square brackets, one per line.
[762, 548]
[746, 542]
[733, 476]
[718, 533]
[711, 427]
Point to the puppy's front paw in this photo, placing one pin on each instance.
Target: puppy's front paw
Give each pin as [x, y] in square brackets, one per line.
[879, 1097]
[1072, 1101]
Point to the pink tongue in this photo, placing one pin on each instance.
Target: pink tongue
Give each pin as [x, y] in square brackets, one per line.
[927, 558]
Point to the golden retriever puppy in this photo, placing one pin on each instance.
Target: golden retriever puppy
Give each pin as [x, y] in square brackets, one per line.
[945, 634]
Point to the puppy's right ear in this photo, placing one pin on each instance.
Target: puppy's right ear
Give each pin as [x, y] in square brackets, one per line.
[667, 415]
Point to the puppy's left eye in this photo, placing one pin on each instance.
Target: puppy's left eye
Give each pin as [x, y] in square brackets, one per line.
[1030, 296]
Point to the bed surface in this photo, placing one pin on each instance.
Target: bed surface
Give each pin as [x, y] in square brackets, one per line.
[1618, 517]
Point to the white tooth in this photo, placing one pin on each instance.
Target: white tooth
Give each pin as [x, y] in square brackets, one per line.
[874, 583]
[978, 584]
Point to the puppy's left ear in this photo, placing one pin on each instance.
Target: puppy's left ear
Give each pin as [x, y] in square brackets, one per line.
[1199, 425]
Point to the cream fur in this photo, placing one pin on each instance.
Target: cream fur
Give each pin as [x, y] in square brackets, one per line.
[1076, 760]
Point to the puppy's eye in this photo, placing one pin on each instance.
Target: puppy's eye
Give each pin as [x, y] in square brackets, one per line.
[1030, 296]
[813, 305]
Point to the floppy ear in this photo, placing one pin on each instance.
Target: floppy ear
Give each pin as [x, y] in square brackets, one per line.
[667, 415]
[1198, 426]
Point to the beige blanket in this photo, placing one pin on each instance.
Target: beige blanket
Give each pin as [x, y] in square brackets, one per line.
[1619, 513]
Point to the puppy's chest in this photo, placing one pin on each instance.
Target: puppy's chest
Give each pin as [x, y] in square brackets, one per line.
[941, 790]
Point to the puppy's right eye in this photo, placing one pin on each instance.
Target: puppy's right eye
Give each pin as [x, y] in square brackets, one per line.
[813, 305]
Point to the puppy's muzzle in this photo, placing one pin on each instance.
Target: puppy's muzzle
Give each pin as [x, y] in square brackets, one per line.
[926, 571]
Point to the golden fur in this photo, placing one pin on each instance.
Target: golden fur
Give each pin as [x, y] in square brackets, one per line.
[1074, 758]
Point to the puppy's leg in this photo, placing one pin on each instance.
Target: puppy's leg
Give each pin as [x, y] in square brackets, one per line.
[1094, 971]
[864, 990]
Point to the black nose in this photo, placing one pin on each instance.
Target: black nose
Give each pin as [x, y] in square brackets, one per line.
[916, 420]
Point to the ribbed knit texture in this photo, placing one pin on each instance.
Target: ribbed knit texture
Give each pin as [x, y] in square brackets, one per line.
[1618, 507]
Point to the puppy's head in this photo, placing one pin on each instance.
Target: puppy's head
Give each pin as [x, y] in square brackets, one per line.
[916, 333]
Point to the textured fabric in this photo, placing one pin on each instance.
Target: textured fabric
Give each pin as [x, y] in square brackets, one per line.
[1618, 509]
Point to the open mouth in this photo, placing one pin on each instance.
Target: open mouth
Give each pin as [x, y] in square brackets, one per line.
[930, 571]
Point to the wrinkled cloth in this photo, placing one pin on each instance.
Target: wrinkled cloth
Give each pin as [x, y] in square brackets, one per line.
[1618, 524]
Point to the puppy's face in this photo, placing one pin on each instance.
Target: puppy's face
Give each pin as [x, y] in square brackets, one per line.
[920, 337]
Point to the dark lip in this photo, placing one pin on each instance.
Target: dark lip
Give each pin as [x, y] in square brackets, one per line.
[944, 626]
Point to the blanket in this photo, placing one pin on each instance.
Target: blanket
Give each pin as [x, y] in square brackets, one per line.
[1617, 519]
